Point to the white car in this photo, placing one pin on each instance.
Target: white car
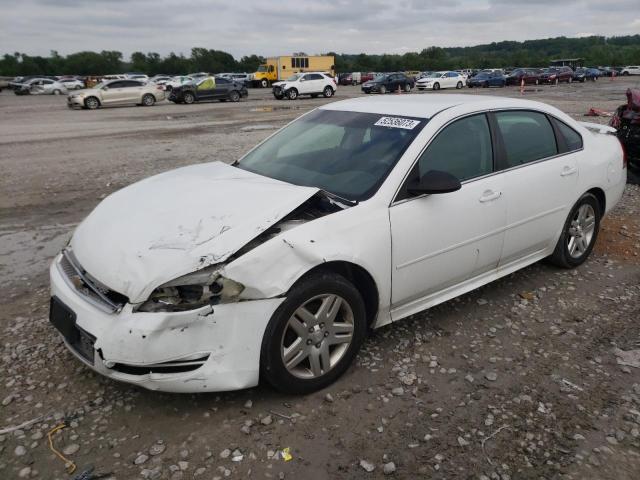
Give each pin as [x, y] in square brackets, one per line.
[631, 70]
[177, 81]
[72, 83]
[357, 214]
[310, 83]
[438, 80]
[39, 86]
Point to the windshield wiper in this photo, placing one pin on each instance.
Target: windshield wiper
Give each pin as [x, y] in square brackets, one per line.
[338, 198]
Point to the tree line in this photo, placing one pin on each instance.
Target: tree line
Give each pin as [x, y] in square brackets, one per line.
[595, 50]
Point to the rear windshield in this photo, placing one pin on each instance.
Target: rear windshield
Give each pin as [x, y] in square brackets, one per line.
[345, 153]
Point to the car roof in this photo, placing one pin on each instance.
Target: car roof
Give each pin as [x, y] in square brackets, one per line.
[426, 106]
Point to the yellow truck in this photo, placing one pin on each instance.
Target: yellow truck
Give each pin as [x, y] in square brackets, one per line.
[280, 68]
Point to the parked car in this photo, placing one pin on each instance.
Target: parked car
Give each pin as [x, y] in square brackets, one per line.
[275, 267]
[177, 81]
[72, 83]
[486, 80]
[556, 75]
[626, 120]
[161, 79]
[438, 80]
[388, 82]
[353, 78]
[310, 83]
[529, 75]
[609, 71]
[208, 88]
[137, 76]
[243, 78]
[631, 70]
[583, 74]
[116, 92]
[39, 86]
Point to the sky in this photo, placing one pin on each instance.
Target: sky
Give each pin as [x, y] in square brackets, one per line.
[269, 28]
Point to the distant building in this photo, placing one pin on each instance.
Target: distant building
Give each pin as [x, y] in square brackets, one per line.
[568, 62]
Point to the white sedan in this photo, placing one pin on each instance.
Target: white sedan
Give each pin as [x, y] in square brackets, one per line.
[357, 214]
[438, 80]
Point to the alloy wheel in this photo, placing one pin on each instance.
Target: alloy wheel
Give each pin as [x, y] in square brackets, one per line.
[317, 336]
[581, 231]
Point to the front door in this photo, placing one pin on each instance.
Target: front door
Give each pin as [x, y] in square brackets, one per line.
[540, 181]
[206, 88]
[113, 92]
[439, 241]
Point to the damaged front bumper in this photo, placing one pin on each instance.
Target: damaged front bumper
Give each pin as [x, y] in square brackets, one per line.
[213, 348]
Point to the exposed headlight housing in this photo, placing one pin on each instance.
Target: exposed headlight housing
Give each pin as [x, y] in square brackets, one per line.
[192, 291]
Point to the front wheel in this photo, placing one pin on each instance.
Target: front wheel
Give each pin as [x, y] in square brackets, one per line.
[327, 92]
[407, 87]
[459, 85]
[264, 83]
[436, 86]
[579, 233]
[292, 94]
[314, 335]
[383, 89]
[57, 92]
[188, 98]
[92, 103]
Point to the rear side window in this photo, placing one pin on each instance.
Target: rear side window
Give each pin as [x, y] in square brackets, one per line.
[527, 136]
[572, 138]
[462, 149]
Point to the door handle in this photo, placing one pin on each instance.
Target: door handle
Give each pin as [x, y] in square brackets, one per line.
[566, 171]
[489, 195]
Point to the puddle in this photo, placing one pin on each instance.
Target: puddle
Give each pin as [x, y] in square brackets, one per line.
[274, 109]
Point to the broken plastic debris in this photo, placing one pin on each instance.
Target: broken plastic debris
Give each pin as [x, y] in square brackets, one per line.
[631, 358]
[286, 454]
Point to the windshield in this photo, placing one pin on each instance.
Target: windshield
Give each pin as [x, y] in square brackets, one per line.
[381, 77]
[262, 68]
[348, 154]
[102, 84]
[293, 78]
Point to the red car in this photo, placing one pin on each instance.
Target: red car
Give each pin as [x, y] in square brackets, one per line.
[531, 76]
[556, 74]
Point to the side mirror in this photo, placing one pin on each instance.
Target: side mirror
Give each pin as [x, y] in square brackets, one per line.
[105, 88]
[434, 182]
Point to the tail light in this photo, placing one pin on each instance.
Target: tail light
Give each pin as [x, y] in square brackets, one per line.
[625, 158]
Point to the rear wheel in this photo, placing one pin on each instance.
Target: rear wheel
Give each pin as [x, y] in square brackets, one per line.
[234, 96]
[459, 85]
[407, 87]
[57, 92]
[314, 334]
[92, 103]
[579, 233]
[188, 98]
[148, 100]
[327, 92]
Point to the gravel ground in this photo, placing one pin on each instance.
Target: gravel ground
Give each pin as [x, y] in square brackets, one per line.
[523, 378]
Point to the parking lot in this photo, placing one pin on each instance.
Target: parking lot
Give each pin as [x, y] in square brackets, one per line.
[518, 379]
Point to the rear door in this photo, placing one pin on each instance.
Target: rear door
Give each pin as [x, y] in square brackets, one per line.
[132, 91]
[541, 180]
[222, 87]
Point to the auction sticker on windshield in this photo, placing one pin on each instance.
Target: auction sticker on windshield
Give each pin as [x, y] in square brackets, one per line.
[397, 122]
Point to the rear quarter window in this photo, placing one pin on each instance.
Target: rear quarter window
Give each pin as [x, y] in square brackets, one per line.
[573, 139]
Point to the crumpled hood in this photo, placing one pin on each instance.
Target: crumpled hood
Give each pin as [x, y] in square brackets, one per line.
[178, 222]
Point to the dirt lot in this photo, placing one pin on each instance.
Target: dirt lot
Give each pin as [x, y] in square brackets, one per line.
[518, 379]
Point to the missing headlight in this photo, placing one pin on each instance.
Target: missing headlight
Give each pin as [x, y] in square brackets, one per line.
[192, 291]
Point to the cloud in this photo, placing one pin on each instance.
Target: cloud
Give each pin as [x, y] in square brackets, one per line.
[348, 26]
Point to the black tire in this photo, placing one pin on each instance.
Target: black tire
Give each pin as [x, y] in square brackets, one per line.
[91, 103]
[234, 96]
[436, 86]
[188, 98]
[327, 92]
[624, 74]
[264, 83]
[407, 87]
[561, 256]
[272, 366]
[382, 89]
[148, 100]
[459, 85]
[292, 94]
[57, 92]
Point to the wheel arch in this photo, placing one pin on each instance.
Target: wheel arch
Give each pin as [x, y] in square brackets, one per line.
[358, 276]
[601, 197]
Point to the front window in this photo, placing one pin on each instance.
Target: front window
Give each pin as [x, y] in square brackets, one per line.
[345, 153]
[262, 68]
[294, 78]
